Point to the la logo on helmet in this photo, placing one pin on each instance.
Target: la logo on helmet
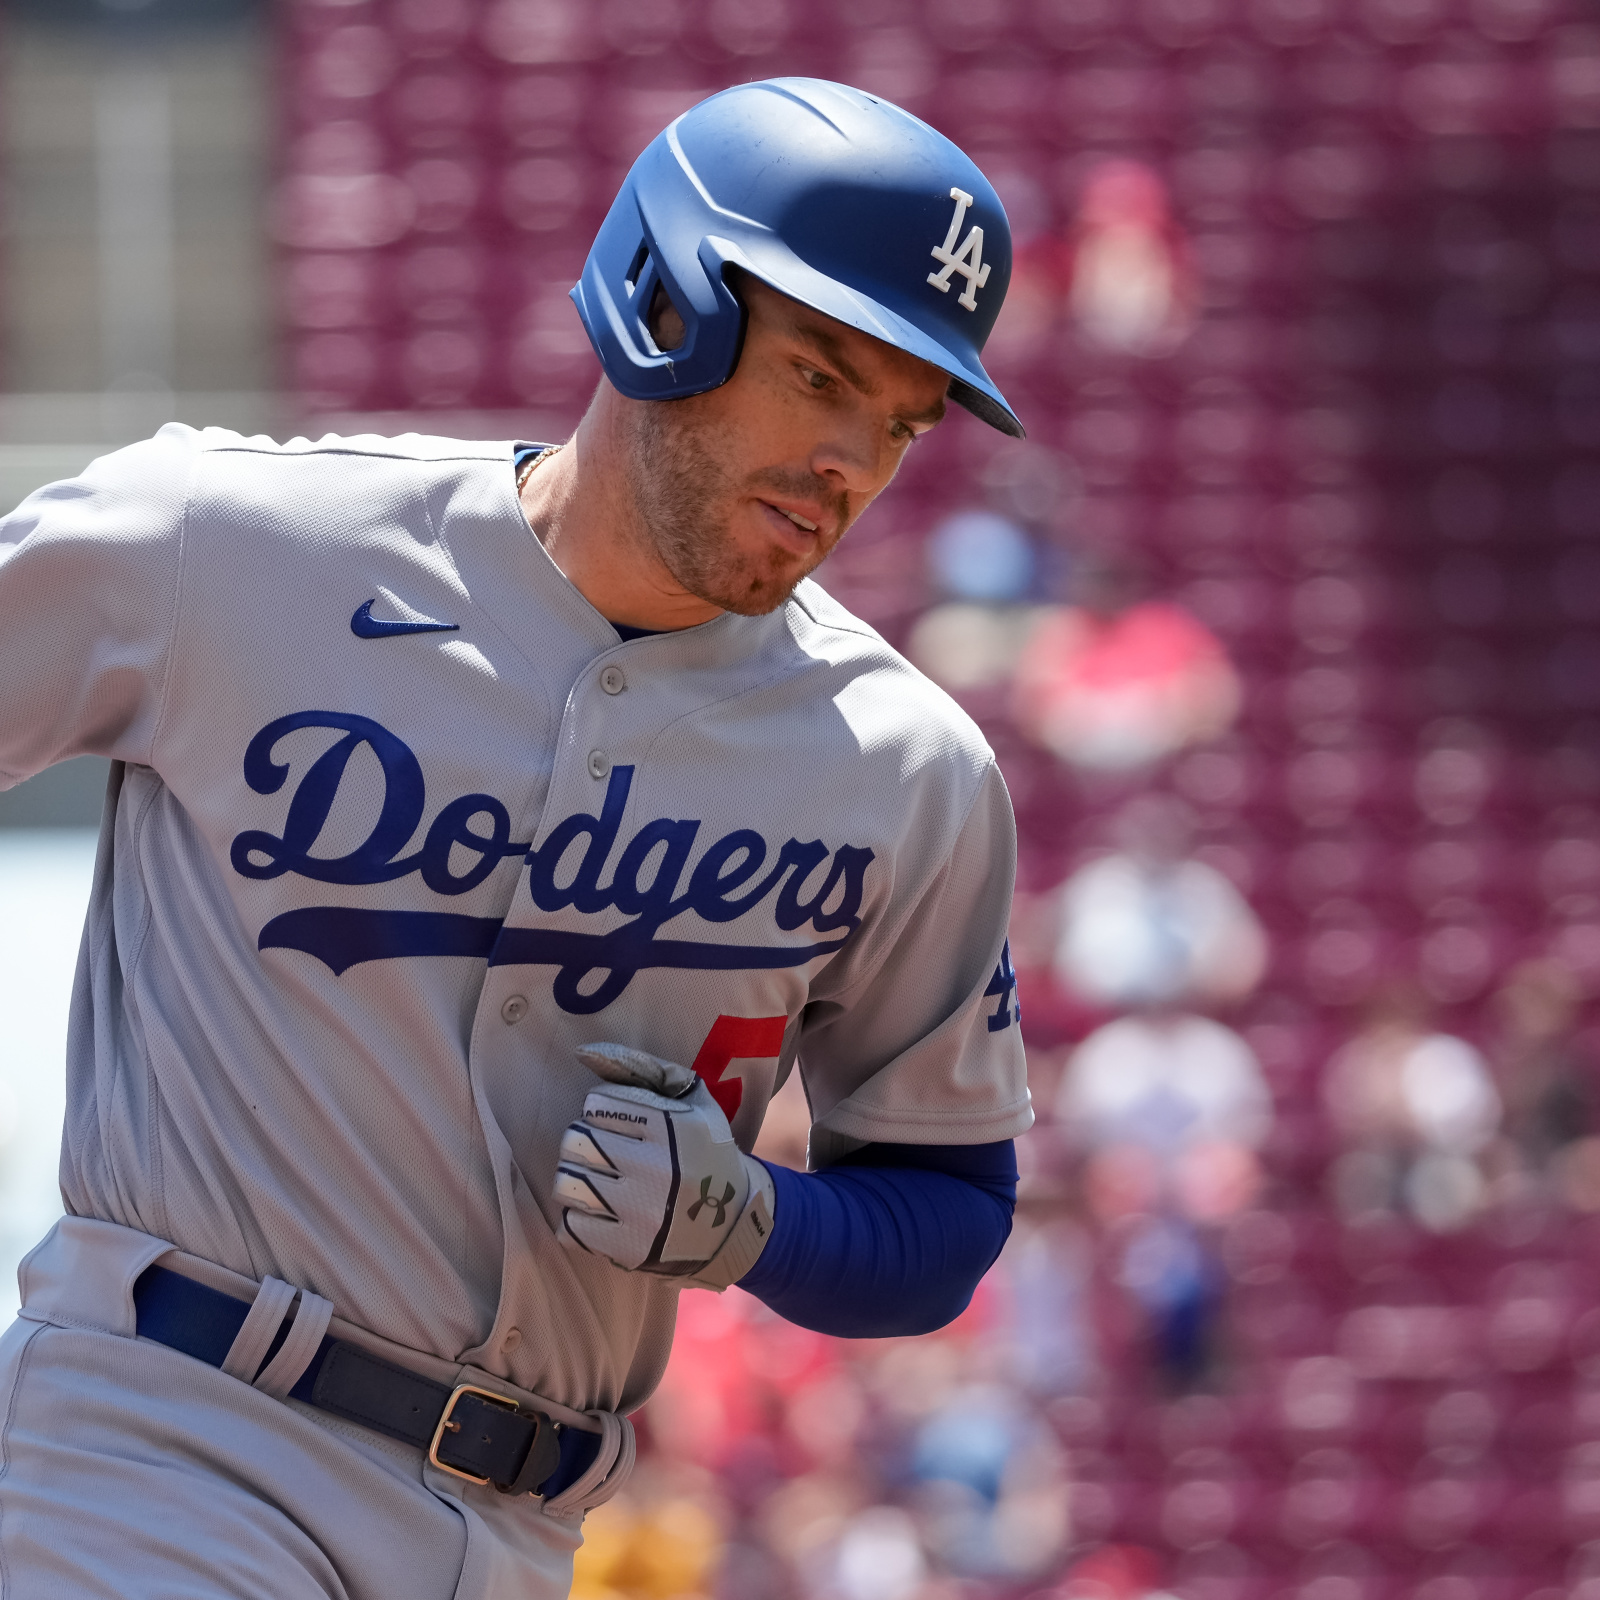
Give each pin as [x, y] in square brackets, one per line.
[968, 260]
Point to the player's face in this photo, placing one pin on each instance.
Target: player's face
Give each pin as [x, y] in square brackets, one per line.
[744, 490]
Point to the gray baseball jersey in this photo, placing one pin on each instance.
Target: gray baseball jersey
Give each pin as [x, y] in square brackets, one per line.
[399, 823]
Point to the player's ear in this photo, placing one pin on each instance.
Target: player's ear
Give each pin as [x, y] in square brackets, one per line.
[665, 321]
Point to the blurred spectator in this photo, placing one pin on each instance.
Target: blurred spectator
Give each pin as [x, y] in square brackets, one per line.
[1415, 1109]
[1544, 1078]
[989, 1485]
[1547, 1082]
[1132, 282]
[962, 645]
[984, 563]
[1176, 1281]
[980, 555]
[1168, 1111]
[1115, 684]
[1041, 1286]
[878, 1557]
[1147, 925]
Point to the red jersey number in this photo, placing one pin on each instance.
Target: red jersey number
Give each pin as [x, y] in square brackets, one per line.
[736, 1039]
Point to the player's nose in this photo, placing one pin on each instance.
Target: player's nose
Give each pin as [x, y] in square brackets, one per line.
[856, 455]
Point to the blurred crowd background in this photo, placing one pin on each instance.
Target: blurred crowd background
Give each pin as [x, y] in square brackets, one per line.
[1283, 624]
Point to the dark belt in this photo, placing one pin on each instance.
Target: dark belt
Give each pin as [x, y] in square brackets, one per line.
[470, 1432]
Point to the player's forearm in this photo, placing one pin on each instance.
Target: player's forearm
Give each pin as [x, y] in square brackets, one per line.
[879, 1246]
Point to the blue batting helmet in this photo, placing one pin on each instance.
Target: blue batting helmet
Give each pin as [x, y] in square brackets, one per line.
[837, 199]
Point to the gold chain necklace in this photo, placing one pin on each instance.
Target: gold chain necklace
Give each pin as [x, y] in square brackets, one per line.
[534, 461]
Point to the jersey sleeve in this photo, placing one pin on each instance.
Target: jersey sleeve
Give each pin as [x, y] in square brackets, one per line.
[89, 580]
[922, 1045]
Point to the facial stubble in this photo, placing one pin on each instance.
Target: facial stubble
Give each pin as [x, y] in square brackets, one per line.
[683, 492]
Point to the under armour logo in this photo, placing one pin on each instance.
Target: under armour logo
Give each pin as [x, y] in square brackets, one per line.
[968, 260]
[706, 1200]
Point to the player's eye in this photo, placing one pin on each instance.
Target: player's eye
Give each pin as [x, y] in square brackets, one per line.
[817, 380]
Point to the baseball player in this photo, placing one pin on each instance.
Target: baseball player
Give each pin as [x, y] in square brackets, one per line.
[492, 829]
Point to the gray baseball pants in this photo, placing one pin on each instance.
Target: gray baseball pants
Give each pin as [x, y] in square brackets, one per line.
[129, 1471]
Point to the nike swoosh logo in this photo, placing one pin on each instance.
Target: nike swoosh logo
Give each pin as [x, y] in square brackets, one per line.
[366, 626]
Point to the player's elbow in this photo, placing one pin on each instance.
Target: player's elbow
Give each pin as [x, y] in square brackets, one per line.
[903, 1311]
[935, 1312]
[865, 1321]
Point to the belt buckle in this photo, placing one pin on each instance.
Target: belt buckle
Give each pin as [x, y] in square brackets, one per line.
[448, 1425]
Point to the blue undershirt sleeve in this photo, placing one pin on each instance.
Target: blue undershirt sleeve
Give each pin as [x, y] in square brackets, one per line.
[893, 1240]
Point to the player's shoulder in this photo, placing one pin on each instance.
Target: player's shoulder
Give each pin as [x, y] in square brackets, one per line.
[885, 699]
[180, 438]
[359, 487]
[218, 464]
[406, 449]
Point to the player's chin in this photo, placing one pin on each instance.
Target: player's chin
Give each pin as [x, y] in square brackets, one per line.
[754, 591]
[753, 597]
[753, 584]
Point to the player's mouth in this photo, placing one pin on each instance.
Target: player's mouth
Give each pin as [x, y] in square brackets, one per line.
[798, 528]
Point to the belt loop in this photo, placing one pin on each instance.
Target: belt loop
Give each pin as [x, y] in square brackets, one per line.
[607, 1473]
[283, 1371]
[254, 1339]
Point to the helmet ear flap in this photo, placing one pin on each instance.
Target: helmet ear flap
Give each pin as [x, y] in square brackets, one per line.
[649, 291]
[645, 287]
[727, 275]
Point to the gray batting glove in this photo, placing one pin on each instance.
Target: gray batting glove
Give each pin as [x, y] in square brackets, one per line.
[650, 1176]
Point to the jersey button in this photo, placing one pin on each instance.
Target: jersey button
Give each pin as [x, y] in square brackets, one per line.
[613, 680]
[599, 763]
[514, 1010]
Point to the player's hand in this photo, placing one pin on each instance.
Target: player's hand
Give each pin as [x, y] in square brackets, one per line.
[650, 1176]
